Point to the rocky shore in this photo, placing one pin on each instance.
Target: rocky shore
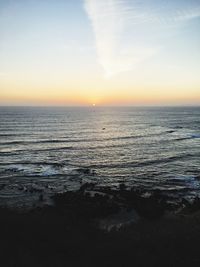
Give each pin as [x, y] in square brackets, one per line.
[102, 227]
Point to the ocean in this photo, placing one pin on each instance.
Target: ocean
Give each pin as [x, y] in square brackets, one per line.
[46, 150]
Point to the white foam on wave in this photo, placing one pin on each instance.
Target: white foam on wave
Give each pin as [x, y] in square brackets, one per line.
[189, 180]
[185, 177]
[195, 136]
[42, 170]
[28, 169]
[18, 168]
[185, 136]
[48, 171]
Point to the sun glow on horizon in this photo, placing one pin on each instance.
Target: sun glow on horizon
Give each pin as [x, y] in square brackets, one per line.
[108, 52]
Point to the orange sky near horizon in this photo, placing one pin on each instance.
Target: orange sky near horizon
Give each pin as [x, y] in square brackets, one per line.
[67, 53]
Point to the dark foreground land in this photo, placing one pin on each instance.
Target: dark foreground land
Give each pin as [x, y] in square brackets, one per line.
[68, 234]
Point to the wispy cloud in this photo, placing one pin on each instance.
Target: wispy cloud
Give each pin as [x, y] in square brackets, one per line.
[110, 20]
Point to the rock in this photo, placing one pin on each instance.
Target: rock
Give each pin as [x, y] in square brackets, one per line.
[41, 197]
[86, 171]
[87, 186]
[122, 186]
[190, 207]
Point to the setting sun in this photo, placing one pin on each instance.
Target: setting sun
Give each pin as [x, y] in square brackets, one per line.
[63, 53]
[99, 133]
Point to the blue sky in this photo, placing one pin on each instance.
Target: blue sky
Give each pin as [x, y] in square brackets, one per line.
[102, 51]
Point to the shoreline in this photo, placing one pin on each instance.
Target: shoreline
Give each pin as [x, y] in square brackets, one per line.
[69, 233]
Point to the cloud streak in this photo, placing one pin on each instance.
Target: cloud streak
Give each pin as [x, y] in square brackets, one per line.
[114, 21]
[109, 21]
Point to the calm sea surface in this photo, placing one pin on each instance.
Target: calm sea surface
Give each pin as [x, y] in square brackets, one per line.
[48, 150]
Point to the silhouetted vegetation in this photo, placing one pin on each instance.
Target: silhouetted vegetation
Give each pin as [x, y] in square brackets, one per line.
[68, 234]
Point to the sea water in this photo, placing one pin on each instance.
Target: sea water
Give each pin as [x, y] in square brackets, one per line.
[44, 150]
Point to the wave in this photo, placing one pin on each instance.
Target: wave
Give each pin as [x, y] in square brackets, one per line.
[190, 181]
[181, 179]
[8, 134]
[16, 151]
[57, 164]
[12, 151]
[144, 163]
[66, 141]
[192, 136]
[195, 136]
[29, 170]
[108, 165]
[80, 140]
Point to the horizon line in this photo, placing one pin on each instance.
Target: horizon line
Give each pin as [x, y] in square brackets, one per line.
[99, 106]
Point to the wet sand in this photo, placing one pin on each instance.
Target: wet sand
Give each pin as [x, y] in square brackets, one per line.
[70, 233]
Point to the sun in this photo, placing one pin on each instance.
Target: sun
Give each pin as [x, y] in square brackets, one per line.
[93, 105]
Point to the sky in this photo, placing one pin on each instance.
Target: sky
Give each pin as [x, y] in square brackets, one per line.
[103, 52]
